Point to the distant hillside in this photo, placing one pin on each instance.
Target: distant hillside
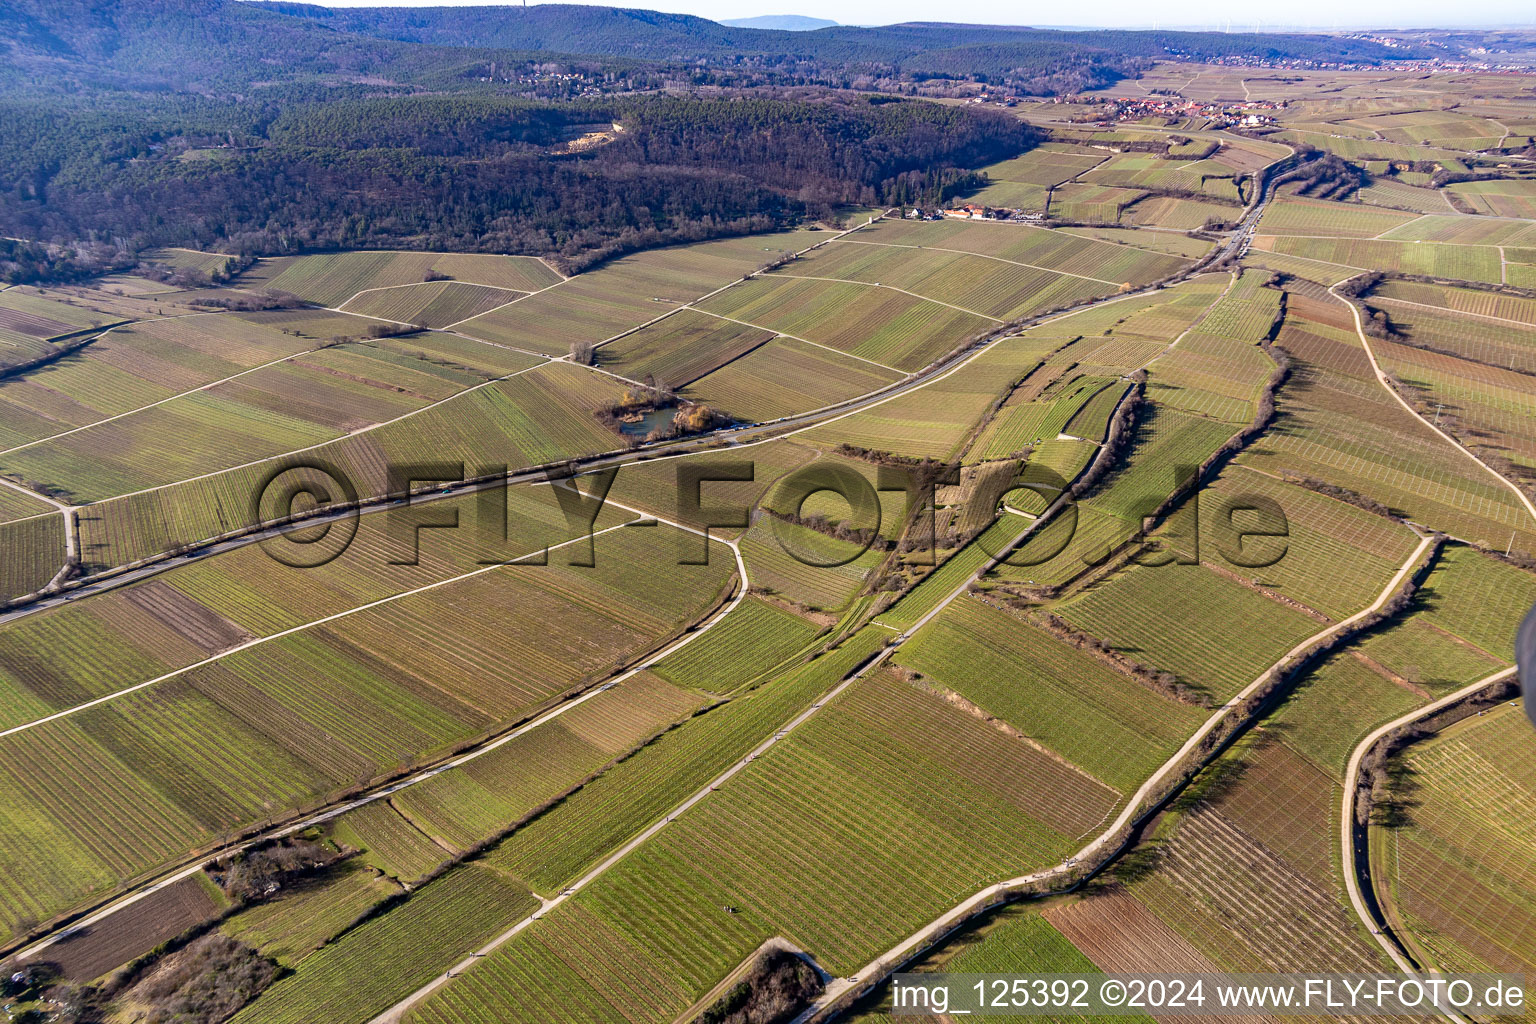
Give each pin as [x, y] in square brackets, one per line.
[572, 28]
[184, 45]
[260, 127]
[782, 22]
[223, 46]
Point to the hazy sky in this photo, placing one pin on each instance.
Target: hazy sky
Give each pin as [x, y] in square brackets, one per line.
[1316, 14]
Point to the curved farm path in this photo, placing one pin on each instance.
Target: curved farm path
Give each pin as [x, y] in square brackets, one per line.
[424, 774]
[1386, 382]
[1133, 812]
[58, 592]
[733, 437]
[71, 540]
[54, 586]
[1354, 862]
[395, 1013]
[643, 517]
[1353, 867]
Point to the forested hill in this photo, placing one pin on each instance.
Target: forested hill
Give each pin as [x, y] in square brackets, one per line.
[480, 172]
[269, 128]
[232, 45]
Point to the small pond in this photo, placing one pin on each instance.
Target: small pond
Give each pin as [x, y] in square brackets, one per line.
[647, 422]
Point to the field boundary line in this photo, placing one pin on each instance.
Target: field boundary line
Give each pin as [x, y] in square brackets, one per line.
[1404, 224]
[290, 631]
[493, 309]
[200, 252]
[448, 281]
[423, 329]
[412, 252]
[1133, 228]
[320, 817]
[28, 519]
[1386, 382]
[482, 341]
[402, 252]
[1309, 259]
[333, 440]
[873, 972]
[1439, 309]
[692, 304]
[1205, 313]
[791, 337]
[1000, 259]
[891, 287]
[171, 398]
[1351, 864]
[544, 260]
[598, 369]
[38, 495]
[1394, 241]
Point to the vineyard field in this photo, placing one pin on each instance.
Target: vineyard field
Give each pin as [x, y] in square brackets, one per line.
[681, 349]
[893, 329]
[488, 761]
[1103, 721]
[882, 727]
[751, 640]
[1296, 216]
[299, 921]
[330, 279]
[429, 305]
[387, 957]
[555, 848]
[388, 843]
[1461, 262]
[787, 376]
[1237, 635]
[1466, 862]
[465, 806]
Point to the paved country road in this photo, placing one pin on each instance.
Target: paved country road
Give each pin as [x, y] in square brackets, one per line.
[194, 865]
[730, 437]
[1099, 851]
[395, 1013]
[877, 969]
[422, 775]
